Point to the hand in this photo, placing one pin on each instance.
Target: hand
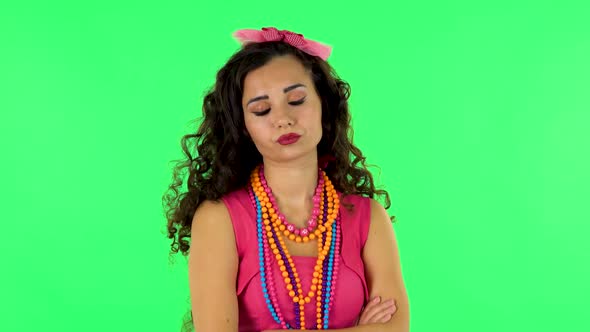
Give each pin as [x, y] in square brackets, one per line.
[377, 312]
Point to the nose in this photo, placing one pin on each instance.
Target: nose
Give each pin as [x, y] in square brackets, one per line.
[282, 118]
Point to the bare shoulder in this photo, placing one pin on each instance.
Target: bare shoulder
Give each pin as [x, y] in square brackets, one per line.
[210, 208]
[381, 247]
[380, 218]
[211, 229]
[213, 266]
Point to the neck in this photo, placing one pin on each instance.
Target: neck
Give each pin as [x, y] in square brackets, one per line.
[293, 185]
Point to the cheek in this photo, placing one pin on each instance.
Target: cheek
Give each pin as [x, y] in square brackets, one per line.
[317, 120]
[255, 130]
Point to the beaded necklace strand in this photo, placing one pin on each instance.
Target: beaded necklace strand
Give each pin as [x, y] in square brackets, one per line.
[272, 225]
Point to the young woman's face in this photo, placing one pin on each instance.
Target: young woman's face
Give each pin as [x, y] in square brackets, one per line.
[280, 98]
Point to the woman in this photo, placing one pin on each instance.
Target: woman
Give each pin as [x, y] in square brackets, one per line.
[285, 231]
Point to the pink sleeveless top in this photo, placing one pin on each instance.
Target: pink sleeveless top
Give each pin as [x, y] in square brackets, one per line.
[351, 292]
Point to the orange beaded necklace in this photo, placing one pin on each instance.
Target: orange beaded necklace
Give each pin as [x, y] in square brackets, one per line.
[275, 230]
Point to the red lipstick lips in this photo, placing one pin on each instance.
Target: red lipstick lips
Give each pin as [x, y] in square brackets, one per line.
[288, 139]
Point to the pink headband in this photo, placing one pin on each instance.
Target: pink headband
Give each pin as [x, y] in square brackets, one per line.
[246, 36]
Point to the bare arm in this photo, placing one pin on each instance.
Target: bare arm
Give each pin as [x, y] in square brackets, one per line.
[383, 270]
[213, 265]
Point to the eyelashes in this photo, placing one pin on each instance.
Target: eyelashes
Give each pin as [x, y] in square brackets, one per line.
[294, 103]
[261, 113]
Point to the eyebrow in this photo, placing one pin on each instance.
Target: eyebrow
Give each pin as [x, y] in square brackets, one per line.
[285, 90]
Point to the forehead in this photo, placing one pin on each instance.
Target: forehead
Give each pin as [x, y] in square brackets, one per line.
[275, 75]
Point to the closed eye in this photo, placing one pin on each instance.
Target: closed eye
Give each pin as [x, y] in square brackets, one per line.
[294, 103]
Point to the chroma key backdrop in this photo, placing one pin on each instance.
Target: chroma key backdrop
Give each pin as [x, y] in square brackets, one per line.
[474, 116]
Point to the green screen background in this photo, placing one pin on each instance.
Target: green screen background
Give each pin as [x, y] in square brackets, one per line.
[476, 112]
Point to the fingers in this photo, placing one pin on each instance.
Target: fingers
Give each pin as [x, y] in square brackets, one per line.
[385, 315]
[377, 311]
[369, 310]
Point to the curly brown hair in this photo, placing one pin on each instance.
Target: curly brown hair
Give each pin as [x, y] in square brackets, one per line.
[226, 155]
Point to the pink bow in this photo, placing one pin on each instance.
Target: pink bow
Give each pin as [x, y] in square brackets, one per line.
[292, 38]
